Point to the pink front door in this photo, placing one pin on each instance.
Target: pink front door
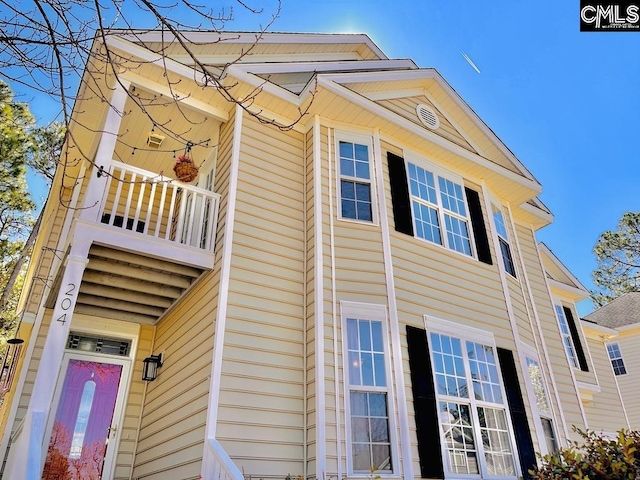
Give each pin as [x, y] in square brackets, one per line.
[82, 425]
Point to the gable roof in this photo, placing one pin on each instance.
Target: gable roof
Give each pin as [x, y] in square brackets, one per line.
[559, 277]
[621, 312]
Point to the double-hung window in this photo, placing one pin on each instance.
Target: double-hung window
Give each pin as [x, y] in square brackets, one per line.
[355, 172]
[542, 402]
[503, 240]
[565, 332]
[615, 355]
[440, 213]
[368, 392]
[474, 421]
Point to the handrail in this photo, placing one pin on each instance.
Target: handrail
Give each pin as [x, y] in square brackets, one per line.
[217, 465]
[151, 204]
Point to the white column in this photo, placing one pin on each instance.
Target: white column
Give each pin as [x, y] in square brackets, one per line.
[30, 448]
[104, 154]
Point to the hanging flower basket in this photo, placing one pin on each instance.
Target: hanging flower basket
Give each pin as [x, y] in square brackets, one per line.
[185, 169]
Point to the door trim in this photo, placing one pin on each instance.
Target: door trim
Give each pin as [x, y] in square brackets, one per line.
[118, 411]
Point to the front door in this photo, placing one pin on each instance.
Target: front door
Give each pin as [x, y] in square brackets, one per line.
[82, 432]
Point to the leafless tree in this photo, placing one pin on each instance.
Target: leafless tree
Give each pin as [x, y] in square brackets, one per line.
[47, 46]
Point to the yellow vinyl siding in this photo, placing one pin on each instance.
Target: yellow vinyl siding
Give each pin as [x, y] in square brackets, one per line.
[46, 254]
[605, 412]
[560, 368]
[266, 277]
[175, 409]
[133, 406]
[25, 396]
[629, 384]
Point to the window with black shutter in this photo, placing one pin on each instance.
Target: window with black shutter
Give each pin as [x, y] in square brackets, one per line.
[432, 204]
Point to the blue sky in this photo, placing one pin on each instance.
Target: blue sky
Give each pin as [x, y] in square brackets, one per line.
[566, 103]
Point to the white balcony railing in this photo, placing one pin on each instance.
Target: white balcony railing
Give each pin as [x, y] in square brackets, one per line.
[148, 204]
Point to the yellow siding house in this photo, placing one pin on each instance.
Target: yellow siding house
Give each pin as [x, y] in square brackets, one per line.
[350, 286]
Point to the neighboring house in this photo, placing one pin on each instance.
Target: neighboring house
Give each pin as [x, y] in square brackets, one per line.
[591, 370]
[619, 347]
[360, 294]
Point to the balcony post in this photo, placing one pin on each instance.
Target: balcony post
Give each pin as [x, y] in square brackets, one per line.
[104, 154]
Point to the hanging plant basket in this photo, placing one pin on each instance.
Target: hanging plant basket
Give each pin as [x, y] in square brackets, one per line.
[185, 169]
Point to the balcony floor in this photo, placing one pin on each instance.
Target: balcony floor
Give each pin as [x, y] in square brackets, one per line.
[128, 286]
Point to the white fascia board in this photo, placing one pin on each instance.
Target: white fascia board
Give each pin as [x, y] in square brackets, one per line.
[599, 330]
[293, 67]
[238, 72]
[432, 137]
[183, 98]
[151, 57]
[250, 38]
[546, 217]
[568, 289]
[432, 74]
[627, 328]
[539, 204]
[556, 261]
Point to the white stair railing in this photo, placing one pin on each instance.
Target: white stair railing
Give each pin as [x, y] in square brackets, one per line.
[217, 465]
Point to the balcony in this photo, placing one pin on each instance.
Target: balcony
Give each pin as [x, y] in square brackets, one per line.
[151, 238]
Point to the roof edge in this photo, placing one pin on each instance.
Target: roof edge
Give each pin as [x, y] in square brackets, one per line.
[137, 36]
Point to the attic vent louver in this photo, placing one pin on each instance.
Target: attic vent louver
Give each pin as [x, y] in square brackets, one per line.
[427, 116]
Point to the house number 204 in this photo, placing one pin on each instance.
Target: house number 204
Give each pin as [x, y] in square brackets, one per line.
[66, 302]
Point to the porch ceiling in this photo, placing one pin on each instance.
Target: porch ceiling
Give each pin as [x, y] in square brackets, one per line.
[131, 287]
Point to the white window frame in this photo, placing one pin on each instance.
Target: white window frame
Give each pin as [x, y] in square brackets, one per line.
[619, 357]
[375, 313]
[446, 175]
[465, 333]
[572, 356]
[360, 139]
[497, 208]
[531, 354]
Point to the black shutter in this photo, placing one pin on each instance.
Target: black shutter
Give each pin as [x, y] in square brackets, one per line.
[478, 225]
[400, 194]
[517, 412]
[424, 404]
[582, 359]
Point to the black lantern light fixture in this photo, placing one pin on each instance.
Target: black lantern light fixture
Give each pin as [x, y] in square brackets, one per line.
[150, 367]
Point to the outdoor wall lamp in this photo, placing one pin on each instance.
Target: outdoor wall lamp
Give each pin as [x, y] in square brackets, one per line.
[150, 367]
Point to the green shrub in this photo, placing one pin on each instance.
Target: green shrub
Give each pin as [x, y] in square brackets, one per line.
[595, 458]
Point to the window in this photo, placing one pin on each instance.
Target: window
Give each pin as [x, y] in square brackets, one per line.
[439, 210]
[542, 402]
[503, 240]
[565, 332]
[370, 432]
[355, 174]
[615, 355]
[472, 410]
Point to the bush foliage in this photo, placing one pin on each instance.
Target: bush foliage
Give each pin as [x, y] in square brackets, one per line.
[595, 458]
